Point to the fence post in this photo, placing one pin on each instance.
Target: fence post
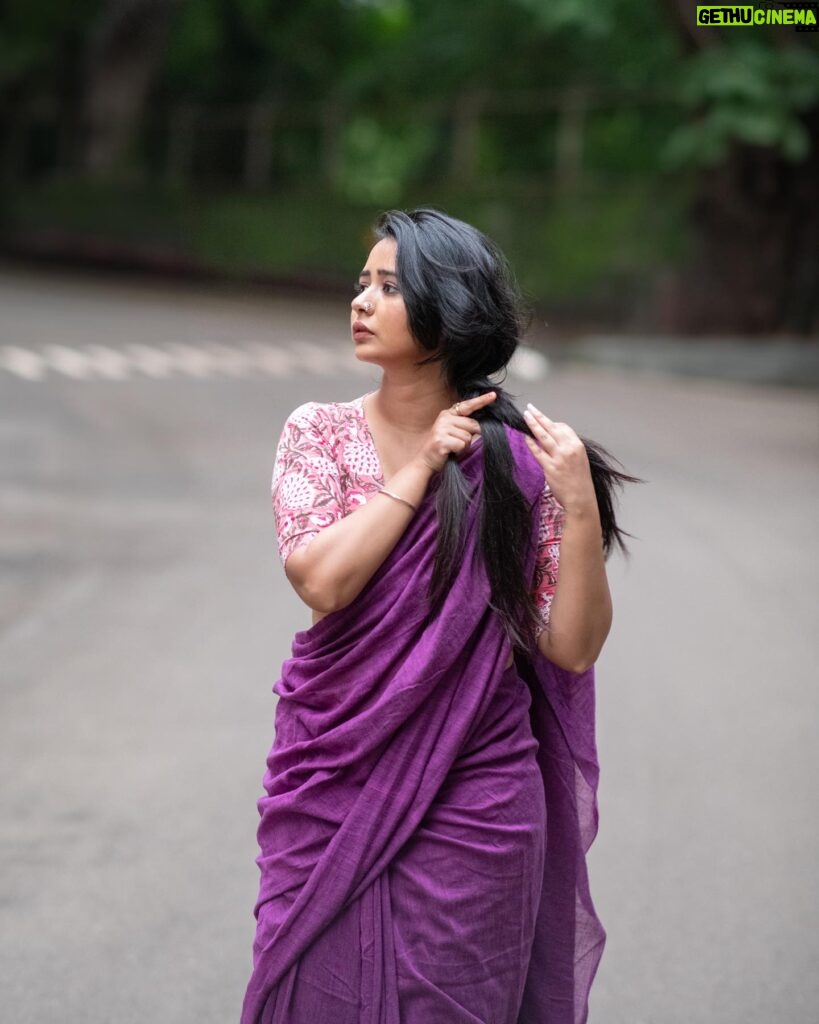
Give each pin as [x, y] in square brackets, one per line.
[332, 120]
[181, 141]
[572, 108]
[16, 140]
[259, 145]
[66, 155]
[465, 137]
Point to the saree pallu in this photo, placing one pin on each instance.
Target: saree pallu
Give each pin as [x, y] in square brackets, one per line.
[427, 812]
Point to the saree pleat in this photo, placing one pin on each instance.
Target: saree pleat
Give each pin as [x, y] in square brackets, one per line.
[426, 812]
[474, 864]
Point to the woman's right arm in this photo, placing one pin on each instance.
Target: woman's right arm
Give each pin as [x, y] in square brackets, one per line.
[330, 571]
[331, 568]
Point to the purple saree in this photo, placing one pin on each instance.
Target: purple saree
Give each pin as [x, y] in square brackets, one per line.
[427, 812]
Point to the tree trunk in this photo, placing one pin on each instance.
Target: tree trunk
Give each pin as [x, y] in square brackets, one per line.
[756, 227]
[122, 59]
[756, 263]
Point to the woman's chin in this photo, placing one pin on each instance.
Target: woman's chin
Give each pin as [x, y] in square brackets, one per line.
[364, 353]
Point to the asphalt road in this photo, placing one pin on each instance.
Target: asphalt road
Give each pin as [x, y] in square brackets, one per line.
[144, 616]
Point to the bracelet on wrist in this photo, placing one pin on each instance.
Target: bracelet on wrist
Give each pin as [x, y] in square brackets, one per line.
[383, 490]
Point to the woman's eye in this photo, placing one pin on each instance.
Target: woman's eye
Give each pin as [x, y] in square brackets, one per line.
[391, 287]
[358, 288]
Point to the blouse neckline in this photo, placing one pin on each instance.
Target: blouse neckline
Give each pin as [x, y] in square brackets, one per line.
[359, 404]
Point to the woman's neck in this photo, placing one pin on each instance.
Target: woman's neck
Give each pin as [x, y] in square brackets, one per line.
[411, 407]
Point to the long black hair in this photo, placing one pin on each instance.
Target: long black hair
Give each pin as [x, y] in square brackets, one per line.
[464, 307]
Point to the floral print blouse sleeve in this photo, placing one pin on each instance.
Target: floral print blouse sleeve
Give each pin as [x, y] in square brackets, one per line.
[306, 486]
[552, 518]
[326, 466]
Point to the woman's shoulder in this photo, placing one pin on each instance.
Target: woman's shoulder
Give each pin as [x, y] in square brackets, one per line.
[325, 415]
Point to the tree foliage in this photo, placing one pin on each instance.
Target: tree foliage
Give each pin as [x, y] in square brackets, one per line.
[373, 98]
[748, 93]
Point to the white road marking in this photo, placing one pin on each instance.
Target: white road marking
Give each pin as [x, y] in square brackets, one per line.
[229, 359]
[192, 360]
[270, 359]
[22, 362]
[207, 359]
[69, 361]
[108, 362]
[316, 359]
[153, 362]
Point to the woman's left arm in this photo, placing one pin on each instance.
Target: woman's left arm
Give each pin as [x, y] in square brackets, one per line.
[581, 611]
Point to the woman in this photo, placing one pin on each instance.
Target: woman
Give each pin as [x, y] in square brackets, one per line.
[430, 793]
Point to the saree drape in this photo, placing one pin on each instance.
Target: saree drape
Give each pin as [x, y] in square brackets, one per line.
[427, 813]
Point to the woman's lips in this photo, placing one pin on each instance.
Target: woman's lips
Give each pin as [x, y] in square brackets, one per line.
[359, 331]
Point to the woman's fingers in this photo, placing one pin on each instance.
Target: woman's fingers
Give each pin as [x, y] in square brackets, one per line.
[540, 425]
[478, 401]
[453, 433]
[533, 414]
[537, 449]
[468, 405]
[560, 432]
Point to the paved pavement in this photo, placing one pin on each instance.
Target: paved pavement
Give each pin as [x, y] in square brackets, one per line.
[144, 617]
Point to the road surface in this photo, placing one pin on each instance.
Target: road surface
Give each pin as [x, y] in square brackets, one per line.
[144, 616]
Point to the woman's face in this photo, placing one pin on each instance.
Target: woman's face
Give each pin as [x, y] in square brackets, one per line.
[390, 339]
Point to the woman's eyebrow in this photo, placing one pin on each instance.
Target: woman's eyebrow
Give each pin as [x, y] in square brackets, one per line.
[384, 273]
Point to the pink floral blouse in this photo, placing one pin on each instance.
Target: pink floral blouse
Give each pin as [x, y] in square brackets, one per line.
[327, 466]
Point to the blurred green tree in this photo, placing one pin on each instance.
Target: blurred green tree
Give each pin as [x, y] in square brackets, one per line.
[748, 142]
[563, 99]
[751, 144]
[123, 54]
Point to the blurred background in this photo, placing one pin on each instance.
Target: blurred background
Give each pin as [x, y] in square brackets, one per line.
[188, 188]
[642, 172]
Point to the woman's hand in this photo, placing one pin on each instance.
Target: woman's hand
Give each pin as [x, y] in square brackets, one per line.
[562, 456]
[450, 433]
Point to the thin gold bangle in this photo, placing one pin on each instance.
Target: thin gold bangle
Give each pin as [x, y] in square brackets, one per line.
[383, 490]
